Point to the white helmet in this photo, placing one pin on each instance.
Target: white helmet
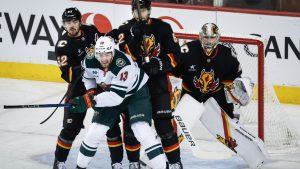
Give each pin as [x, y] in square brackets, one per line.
[105, 44]
[209, 31]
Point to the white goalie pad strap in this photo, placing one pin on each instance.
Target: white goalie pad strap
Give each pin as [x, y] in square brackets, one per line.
[232, 134]
[240, 91]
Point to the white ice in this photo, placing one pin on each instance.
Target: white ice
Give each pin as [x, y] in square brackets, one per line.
[25, 144]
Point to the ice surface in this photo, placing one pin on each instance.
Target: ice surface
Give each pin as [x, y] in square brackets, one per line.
[25, 144]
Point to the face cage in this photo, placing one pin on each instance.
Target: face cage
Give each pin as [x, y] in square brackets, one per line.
[209, 45]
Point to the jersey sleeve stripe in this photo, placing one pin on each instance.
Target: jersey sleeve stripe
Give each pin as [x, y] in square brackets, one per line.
[120, 93]
[172, 58]
[127, 50]
[119, 87]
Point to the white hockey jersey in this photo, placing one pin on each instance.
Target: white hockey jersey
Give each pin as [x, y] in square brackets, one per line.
[123, 79]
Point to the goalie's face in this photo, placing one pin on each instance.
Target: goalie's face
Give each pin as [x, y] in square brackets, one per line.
[72, 27]
[104, 58]
[209, 37]
[145, 14]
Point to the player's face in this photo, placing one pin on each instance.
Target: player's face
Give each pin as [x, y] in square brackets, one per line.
[105, 58]
[208, 43]
[145, 13]
[72, 27]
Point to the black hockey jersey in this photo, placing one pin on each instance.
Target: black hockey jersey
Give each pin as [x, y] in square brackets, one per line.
[203, 76]
[76, 49]
[160, 43]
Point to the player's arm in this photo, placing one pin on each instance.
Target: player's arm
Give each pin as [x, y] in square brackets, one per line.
[63, 60]
[88, 78]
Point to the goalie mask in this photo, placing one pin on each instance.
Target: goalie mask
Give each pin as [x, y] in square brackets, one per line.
[105, 50]
[144, 6]
[209, 37]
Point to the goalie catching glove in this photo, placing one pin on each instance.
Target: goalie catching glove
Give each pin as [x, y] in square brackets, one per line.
[239, 92]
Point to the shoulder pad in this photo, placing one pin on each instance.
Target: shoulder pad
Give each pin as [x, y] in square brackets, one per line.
[91, 63]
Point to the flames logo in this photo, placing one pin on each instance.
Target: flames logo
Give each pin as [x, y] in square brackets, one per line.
[206, 81]
[152, 47]
[90, 51]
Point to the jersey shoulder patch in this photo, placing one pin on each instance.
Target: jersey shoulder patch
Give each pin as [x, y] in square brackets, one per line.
[120, 61]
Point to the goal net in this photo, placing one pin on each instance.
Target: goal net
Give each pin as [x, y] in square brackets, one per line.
[264, 116]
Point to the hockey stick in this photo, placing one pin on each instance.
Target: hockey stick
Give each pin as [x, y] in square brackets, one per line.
[146, 57]
[36, 106]
[69, 91]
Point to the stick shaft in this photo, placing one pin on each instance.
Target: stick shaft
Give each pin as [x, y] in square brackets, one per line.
[36, 106]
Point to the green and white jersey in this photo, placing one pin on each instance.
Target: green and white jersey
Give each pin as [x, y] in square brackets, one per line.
[122, 79]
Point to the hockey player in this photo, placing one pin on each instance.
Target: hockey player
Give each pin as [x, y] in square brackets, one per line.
[71, 48]
[208, 69]
[125, 89]
[151, 43]
[207, 66]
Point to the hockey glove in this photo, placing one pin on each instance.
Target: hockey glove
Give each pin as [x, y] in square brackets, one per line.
[92, 92]
[82, 103]
[240, 91]
[138, 29]
[153, 67]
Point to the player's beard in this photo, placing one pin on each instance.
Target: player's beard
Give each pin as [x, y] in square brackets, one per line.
[74, 32]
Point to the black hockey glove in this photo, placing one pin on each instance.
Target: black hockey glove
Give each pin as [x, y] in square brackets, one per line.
[114, 34]
[153, 67]
[138, 29]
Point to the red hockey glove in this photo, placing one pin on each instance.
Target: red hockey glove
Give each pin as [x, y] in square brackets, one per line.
[92, 92]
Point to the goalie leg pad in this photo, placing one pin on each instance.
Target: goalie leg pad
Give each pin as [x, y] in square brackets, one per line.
[232, 134]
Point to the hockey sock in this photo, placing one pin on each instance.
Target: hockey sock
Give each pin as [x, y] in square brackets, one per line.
[62, 149]
[153, 149]
[115, 147]
[115, 144]
[169, 139]
[132, 146]
[90, 144]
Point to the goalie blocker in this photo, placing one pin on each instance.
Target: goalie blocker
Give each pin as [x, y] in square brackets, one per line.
[228, 131]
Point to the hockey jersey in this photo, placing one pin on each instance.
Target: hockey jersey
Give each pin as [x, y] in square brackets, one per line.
[122, 79]
[160, 43]
[76, 49]
[205, 75]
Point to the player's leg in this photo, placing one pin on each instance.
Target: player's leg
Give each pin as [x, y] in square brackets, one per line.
[162, 116]
[132, 145]
[139, 110]
[72, 124]
[115, 145]
[103, 119]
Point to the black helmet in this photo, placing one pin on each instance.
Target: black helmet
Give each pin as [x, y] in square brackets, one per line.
[70, 14]
[143, 4]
